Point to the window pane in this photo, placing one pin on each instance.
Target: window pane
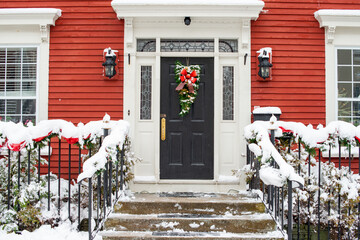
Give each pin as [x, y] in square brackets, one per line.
[13, 106]
[201, 45]
[357, 74]
[29, 71]
[28, 118]
[29, 55]
[13, 118]
[2, 107]
[2, 55]
[356, 90]
[356, 57]
[2, 71]
[344, 108]
[29, 106]
[146, 45]
[344, 90]
[13, 71]
[14, 55]
[2, 88]
[356, 121]
[29, 89]
[145, 99]
[344, 56]
[228, 45]
[356, 109]
[13, 89]
[345, 119]
[228, 93]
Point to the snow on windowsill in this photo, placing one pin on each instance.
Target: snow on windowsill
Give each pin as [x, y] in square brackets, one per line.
[267, 110]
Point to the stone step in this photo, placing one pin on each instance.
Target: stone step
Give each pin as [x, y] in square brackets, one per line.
[111, 235]
[213, 204]
[253, 223]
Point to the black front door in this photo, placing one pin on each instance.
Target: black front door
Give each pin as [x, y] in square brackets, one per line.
[188, 150]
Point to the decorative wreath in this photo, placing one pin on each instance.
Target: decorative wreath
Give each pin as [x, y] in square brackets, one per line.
[188, 78]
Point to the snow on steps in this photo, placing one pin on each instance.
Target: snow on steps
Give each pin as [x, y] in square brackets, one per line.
[190, 216]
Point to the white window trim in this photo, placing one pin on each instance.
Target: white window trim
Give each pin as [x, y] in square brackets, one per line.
[41, 18]
[336, 23]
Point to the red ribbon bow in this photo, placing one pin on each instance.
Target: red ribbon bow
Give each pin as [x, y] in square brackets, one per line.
[188, 79]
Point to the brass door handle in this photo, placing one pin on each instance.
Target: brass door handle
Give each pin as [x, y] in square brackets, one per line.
[163, 129]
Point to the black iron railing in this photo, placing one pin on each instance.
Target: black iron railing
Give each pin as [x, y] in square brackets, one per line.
[94, 196]
[335, 217]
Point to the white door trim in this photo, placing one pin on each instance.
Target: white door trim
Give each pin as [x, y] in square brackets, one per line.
[229, 146]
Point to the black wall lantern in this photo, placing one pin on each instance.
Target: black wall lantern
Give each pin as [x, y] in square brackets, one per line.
[187, 21]
[264, 62]
[110, 63]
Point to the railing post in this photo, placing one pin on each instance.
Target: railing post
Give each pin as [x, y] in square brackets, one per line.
[90, 209]
[108, 167]
[69, 187]
[9, 178]
[122, 168]
[290, 215]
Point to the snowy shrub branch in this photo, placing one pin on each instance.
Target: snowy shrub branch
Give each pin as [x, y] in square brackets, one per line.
[331, 197]
[257, 134]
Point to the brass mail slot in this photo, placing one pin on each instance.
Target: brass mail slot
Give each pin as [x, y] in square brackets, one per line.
[163, 129]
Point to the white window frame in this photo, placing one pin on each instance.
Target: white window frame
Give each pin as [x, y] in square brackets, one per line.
[37, 78]
[29, 27]
[342, 28]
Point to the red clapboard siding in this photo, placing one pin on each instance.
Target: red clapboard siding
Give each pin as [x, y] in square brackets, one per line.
[77, 89]
[298, 43]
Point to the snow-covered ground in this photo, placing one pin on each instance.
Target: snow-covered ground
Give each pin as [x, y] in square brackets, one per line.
[66, 231]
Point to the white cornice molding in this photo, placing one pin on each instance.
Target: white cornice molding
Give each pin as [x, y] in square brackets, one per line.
[29, 16]
[249, 9]
[330, 19]
[338, 18]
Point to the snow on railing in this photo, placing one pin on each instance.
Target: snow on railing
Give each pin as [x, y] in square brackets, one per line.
[16, 136]
[329, 200]
[263, 147]
[21, 146]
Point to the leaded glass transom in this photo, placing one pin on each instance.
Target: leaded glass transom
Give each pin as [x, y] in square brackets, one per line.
[145, 98]
[146, 45]
[228, 45]
[183, 45]
[228, 93]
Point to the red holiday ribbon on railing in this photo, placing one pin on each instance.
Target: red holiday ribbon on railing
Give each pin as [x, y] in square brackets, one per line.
[188, 79]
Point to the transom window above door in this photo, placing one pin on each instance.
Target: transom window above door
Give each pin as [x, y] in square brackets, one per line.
[187, 45]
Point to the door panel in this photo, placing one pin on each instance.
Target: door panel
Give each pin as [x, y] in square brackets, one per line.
[188, 151]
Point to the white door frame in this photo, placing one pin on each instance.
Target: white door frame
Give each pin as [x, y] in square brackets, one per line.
[229, 145]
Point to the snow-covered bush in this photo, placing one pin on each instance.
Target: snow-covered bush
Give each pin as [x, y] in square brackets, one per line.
[338, 187]
[28, 206]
